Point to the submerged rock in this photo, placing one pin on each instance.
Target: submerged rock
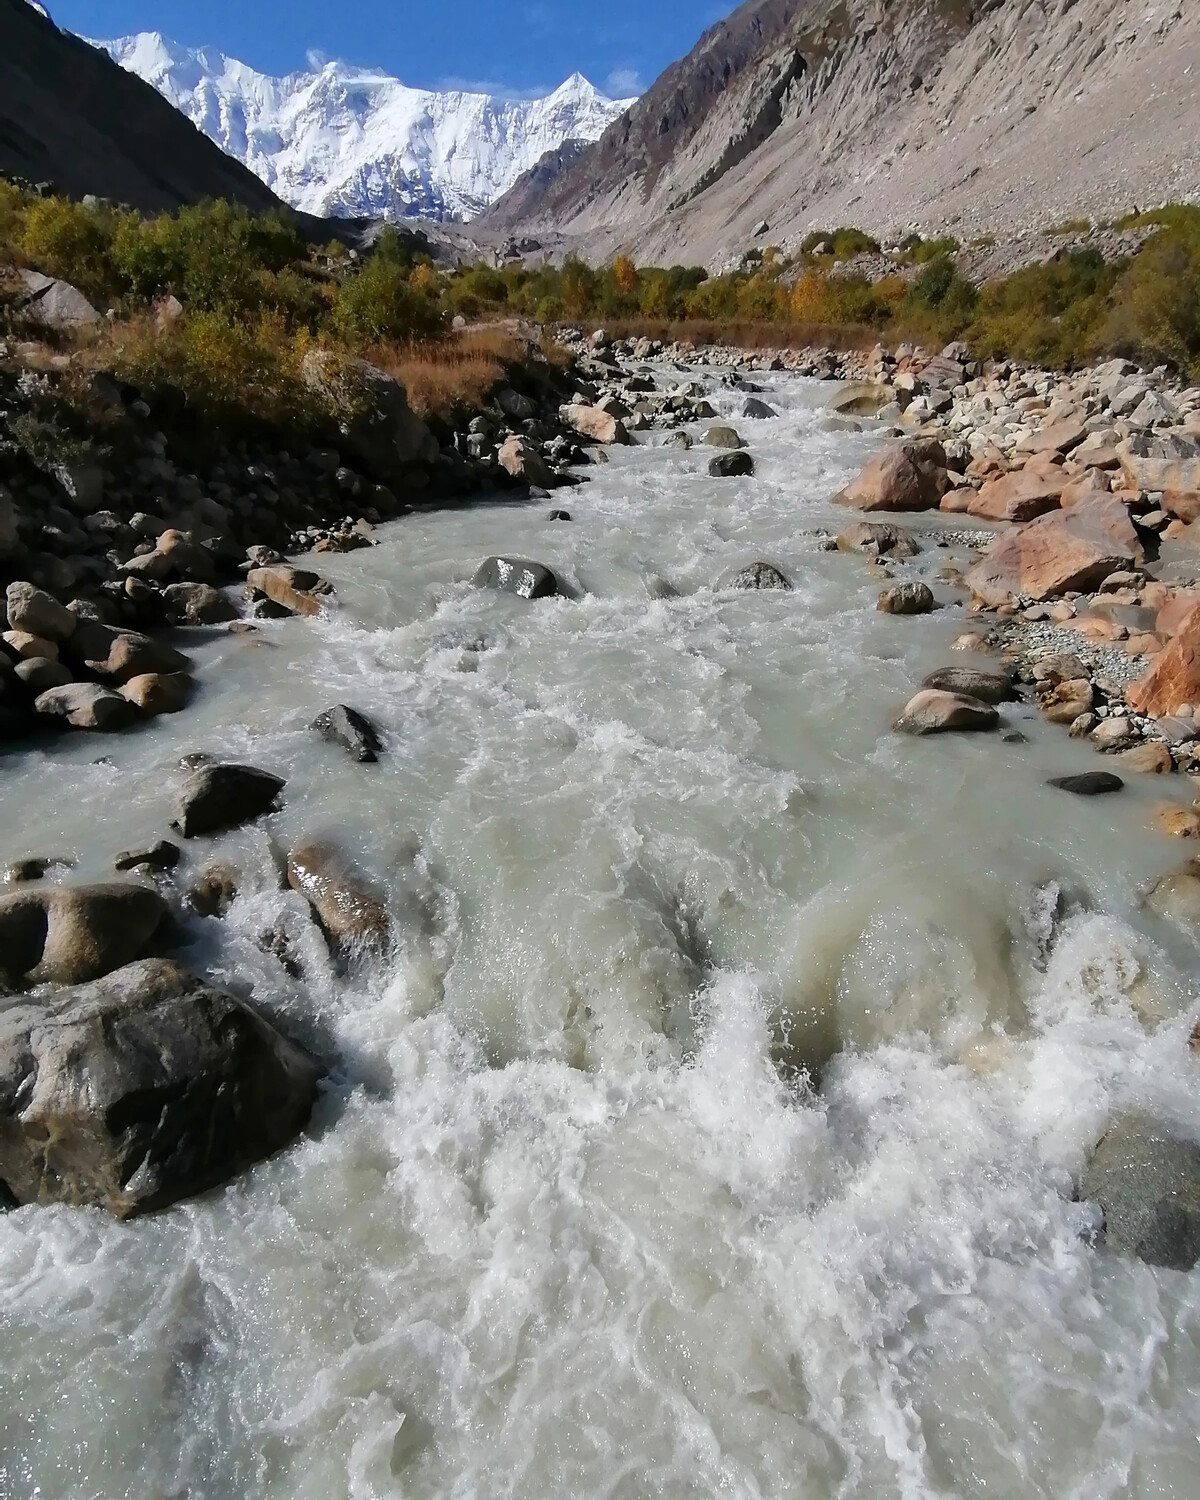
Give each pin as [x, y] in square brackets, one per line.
[143, 1088]
[72, 934]
[1147, 1181]
[351, 913]
[756, 575]
[516, 575]
[932, 712]
[350, 729]
[214, 798]
[735, 465]
[1089, 784]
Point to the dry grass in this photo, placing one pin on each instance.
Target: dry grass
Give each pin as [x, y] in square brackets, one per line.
[455, 373]
[744, 335]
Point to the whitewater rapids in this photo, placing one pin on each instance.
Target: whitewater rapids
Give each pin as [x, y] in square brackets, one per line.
[712, 1130]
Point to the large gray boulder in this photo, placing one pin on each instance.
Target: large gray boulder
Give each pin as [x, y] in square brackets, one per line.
[143, 1088]
[754, 576]
[379, 429]
[54, 303]
[516, 575]
[214, 798]
[37, 613]
[71, 934]
[1147, 1181]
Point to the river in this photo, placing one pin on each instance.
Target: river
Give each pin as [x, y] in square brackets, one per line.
[712, 1130]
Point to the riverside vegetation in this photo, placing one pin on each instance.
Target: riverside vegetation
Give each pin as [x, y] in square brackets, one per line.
[243, 397]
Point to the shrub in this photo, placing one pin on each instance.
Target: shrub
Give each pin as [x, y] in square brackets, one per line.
[846, 242]
[380, 304]
[66, 239]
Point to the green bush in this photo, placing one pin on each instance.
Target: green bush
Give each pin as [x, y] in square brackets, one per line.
[846, 242]
[379, 305]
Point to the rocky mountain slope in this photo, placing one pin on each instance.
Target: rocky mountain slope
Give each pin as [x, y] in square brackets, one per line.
[973, 115]
[70, 116]
[351, 142]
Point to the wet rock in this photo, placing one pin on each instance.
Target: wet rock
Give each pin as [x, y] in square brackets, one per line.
[734, 465]
[909, 476]
[907, 599]
[680, 440]
[161, 856]
[933, 712]
[879, 538]
[351, 730]
[756, 575]
[970, 641]
[559, 515]
[37, 867]
[973, 682]
[71, 934]
[860, 400]
[1067, 551]
[758, 411]
[155, 693]
[1147, 1181]
[1089, 784]
[87, 705]
[516, 575]
[1150, 759]
[351, 913]
[122, 654]
[1177, 822]
[720, 435]
[215, 889]
[197, 604]
[216, 797]
[1066, 701]
[141, 1089]
[37, 613]
[295, 590]
[520, 458]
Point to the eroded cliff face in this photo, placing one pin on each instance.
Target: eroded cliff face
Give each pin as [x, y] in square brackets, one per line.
[975, 115]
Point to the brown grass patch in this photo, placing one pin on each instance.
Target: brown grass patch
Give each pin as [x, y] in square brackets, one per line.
[451, 374]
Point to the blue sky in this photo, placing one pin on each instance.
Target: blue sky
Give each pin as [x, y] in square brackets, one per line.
[513, 45]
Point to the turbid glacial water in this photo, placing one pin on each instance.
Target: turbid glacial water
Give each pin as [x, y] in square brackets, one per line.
[570, 1223]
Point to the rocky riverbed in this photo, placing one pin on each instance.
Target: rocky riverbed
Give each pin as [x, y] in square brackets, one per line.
[536, 923]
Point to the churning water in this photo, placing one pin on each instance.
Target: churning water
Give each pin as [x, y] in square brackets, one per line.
[573, 1221]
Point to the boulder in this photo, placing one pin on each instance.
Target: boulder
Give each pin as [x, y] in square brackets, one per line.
[1147, 1181]
[141, 1089]
[351, 913]
[1059, 437]
[379, 429]
[155, 693]
[520, 458]
[1093, 485]
[906, 599]
[86, 705]
[197, 604]
[351, 730]
[755, 576]
[63, 934]
[1070, 550]
[1063, 702]
[37, 613]
[599, 426]
[973, 682]
[879, 538]
[1177, 822]
[719, 435]
[1176, 898]
[906, 476]
[513, 404]
[860, 399]
[161, 856]
[1022, 495]
[54, 303]
[734, 465]
[1173, 678]
[122, 654]
[215, 889]
[933, 712]
[216, 797]
[41, 674]
[1089, 784]
[516, 575]
[1160, 462]
[758, 411]
[22, 645]
[294, 589]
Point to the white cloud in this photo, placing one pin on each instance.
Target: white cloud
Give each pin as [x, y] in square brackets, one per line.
[623, 83]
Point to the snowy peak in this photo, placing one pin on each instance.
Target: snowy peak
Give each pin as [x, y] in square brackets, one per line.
[354, 142]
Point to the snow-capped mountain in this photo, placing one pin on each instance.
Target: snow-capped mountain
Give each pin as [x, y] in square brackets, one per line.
[350, 142]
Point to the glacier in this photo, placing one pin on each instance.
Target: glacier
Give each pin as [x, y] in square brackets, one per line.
[349, 142]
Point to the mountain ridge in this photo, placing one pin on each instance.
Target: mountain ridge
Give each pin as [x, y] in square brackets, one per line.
[344, 141]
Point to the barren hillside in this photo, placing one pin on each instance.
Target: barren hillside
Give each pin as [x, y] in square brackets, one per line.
[976, 115]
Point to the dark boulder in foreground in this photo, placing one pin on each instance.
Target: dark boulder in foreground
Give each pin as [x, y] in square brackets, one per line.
[1089, 784]
[1148, 1184]
[73, 934]
[214, 798]
[516, 575]
[143, 1088]
[732, 465]
[758, 411]
[350, 729]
